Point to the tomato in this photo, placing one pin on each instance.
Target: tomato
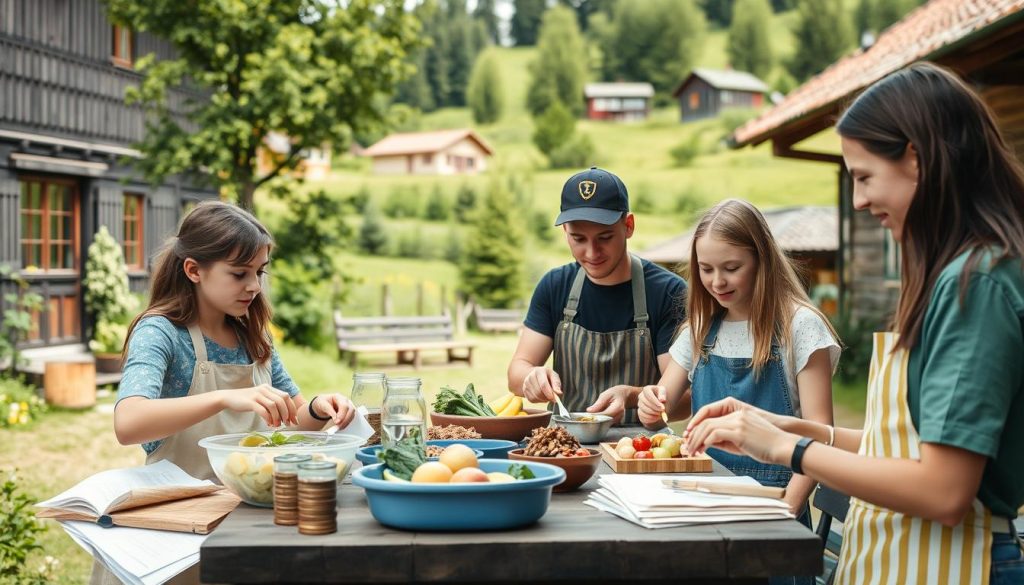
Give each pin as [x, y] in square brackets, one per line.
[643, 455]
[582, 453]
[641, 443]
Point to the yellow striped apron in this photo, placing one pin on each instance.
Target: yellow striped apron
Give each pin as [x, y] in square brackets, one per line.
[882, 546]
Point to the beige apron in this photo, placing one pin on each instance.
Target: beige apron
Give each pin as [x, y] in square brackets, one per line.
[882, 546]
[183, 448]
[590, 362]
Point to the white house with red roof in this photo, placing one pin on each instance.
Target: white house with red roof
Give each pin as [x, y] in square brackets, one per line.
[442, 152]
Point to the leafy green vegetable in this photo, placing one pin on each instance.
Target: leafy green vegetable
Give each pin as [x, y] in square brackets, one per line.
[404, 457]
[520, 471]
[469, 403]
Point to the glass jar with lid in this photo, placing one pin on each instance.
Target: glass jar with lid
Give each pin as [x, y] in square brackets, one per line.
[368, 390]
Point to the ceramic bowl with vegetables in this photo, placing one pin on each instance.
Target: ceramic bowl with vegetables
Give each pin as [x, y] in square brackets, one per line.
[244, 462]
[469, 409]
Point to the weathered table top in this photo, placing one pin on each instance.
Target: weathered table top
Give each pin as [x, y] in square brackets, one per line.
[571, 543]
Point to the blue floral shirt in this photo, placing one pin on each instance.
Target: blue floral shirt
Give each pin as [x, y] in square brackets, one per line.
[161, 361]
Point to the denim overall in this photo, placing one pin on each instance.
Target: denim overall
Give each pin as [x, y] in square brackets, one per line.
[715, 378]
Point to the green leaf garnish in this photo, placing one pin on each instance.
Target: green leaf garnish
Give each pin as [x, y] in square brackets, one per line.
[520, 471]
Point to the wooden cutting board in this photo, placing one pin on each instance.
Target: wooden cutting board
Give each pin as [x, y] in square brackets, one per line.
[691, 464]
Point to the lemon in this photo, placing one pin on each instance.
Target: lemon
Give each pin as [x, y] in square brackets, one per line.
[253, 441]
[392, 477]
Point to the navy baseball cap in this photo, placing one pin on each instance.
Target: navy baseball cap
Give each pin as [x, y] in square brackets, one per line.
[593, 195]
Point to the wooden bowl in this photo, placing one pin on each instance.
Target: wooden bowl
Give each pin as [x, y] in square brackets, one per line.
[509, 428]
[577, 469]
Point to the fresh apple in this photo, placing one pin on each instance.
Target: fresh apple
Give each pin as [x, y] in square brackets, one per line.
[641, 443]
[624, 441]
[626, 451]
[499, 477]
[657, 439]
[672, 445]
[643, 455]
[660, 453]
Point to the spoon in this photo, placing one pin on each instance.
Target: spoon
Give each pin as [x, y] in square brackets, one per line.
[664, 417]
[562, 410]
[331, 430]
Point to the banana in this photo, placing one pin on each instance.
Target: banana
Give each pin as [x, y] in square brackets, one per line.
[513, 407]
[500, 404]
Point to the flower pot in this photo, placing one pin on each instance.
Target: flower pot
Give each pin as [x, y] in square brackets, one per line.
[108, 363]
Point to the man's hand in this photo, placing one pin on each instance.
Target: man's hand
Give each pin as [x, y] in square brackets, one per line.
[541, 385]
[612, 402]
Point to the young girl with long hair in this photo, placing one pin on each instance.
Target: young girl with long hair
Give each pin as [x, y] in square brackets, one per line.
[752, 333]
[199, 361]
[935, 476]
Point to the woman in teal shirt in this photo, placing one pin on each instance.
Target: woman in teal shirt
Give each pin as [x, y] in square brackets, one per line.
[935, 477]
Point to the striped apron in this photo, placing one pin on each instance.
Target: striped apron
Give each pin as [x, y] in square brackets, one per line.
[589, 362]
[882, 546]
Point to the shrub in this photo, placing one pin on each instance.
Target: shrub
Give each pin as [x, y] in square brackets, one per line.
[542, 226]
[20, 404]
[856, 340]
[689, 202]
[553, 128]
[453, 246]
[403, 202]
[373, 238]
[300, 307]
[438, 208]
[684, 153]
[108, 337]
[360, 199]
[577, 152]
[19, 534]
[465, 203]
[17, 318]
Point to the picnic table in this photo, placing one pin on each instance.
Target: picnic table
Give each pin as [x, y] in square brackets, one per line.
[572, 543]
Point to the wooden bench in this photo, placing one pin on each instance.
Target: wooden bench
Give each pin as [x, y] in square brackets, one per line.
[407, 337]
[497, 320]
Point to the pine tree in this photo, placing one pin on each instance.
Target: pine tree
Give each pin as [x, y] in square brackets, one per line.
[461, 54]
[373, 239]
[559, 71]
[485, 95]
[749, 46]
[484, 12]
[437, 206]
[491, 269]
[719, 12]
[526, 21]
[553, 128]
[823, 33]
[465, 203]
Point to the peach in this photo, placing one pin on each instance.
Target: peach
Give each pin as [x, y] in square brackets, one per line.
[470, 475]
[457, 457]
[432, 472]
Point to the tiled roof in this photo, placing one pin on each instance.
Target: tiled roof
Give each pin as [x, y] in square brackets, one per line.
[796, 229]
[627, 90]
[730, 79]
[423, 142]
[922, 34]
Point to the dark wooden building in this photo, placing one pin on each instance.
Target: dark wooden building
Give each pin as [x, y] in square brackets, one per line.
[706, 92]
[65, 154]
[979, 39]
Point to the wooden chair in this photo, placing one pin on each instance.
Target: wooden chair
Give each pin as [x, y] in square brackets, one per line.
[833, 505]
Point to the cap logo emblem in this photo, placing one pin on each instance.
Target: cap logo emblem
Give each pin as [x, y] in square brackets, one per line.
[587, 189]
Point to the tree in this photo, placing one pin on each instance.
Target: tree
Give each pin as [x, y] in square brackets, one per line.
[484, 12]
[559, 71]
[822, 34]
[719, 12]
[437, 208]
[526, 21]
[372, 238]
[485, 94]
[302, 68]
[585, 9]
[653, 40]
[749, 47]
[465, 203]
[491, 269]
[553, 128]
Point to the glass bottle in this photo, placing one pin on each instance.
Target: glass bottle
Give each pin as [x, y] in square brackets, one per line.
[404, 415]
[368, 390]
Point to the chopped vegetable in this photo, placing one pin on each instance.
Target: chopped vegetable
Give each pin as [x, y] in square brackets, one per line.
[277, 439]
[404, 457]
[469, 403]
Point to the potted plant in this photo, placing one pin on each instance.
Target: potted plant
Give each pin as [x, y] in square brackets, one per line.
[106, 344]
[108, 299]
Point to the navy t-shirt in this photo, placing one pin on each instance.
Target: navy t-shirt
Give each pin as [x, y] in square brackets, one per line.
[610, 308]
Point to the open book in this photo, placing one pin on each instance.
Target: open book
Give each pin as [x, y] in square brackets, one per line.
[159, 496]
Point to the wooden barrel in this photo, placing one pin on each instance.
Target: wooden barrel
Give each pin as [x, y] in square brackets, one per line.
[70, 384]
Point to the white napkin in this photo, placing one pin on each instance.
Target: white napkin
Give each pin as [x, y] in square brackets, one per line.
[359, 426]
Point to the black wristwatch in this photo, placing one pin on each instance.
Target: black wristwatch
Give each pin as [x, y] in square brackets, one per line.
[313, 413]
[798, 454]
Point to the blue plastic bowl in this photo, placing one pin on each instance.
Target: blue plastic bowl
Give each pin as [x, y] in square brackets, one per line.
[492, 448]
[368, 455]
[460, 506]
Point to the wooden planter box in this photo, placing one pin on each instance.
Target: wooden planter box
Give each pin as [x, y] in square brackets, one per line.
[70, 384]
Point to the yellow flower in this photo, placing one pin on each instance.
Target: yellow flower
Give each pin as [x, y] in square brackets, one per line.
[23, 419]
[12, 420]
[24, 405]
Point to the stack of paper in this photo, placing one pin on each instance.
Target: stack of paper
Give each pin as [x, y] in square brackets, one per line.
[646, 501]
[137, 555]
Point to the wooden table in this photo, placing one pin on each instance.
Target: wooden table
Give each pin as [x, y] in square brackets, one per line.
[571, 543]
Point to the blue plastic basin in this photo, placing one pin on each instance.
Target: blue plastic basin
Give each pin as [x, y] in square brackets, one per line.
[368, 455]
[460, 506]
[492, 448]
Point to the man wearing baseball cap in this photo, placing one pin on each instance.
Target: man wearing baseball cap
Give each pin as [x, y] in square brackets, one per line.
[609, 317]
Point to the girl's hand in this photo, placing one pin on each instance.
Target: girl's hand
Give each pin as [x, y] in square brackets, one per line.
[743, 432]
[336, 406]
[723, 407]
[651, 404]
[274, 406]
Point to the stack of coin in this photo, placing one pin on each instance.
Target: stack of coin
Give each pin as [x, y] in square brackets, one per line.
[286, 479]
[318, 497]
